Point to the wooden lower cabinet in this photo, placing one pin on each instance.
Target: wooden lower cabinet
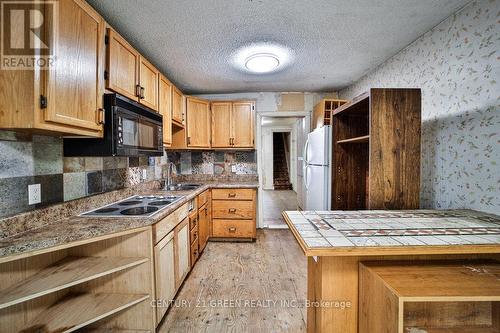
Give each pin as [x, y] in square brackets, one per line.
[233, 213]
[101, 284]
[234, 228]
[182, 251]
[233, 209]
[164, 254]
[172, 255]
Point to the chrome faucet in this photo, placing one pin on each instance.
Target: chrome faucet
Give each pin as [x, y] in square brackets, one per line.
[170, 171]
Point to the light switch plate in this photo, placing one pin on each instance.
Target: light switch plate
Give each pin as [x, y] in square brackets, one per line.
[144, 174]
[233, 168]
[34, 194]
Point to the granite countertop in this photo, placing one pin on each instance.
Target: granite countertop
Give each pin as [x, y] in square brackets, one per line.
[77, 228]
[383, 232]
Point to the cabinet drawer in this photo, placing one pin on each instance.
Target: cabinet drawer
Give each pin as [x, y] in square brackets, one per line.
[233, 194]
[193, 221]
[194, 235]
[195, 253]
[229, 209]
[234, 228]
[203, 198]
[162, 228]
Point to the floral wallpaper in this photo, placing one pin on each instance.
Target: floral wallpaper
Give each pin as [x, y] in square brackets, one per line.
[457, 66]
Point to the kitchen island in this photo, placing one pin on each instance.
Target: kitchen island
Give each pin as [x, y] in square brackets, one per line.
[335, 243]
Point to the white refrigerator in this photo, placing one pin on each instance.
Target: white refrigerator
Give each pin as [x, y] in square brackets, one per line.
[317, 169]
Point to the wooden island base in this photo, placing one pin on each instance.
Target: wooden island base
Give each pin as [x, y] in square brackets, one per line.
[332, 289]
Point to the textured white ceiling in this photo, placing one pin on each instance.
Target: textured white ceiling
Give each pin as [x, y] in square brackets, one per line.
[334, 42]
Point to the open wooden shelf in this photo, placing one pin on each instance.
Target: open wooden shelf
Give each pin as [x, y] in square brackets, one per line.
[77, 311]
[477, 329]
[359, 139]
[63, 274]
[358, 104]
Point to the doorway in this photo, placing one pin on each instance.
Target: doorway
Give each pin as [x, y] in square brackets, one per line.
[280, 161]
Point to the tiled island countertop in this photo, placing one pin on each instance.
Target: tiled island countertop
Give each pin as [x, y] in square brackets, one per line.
[380, 232]
[78, 228]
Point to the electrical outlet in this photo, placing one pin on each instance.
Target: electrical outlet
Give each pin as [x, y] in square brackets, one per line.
[144, 174]
[233, 168]
[34, 194]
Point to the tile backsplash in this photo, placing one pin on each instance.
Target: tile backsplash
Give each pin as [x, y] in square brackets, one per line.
[217, 163]
[35, 159]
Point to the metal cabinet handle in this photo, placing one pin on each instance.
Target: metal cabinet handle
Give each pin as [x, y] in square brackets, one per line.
[138, 90]
[232, 210]
[101, 120]
[142, 93]
[231, 195]
[232, 229]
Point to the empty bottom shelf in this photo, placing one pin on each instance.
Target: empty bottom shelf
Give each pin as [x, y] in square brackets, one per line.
[76, 311]
[475, 329]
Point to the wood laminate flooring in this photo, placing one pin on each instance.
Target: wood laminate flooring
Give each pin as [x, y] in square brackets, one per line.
[244, 287]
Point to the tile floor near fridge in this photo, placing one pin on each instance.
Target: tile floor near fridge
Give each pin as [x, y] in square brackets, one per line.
[275, 202]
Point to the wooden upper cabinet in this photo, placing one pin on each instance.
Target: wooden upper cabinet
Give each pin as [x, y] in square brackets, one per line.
[177, 107]
[122, 66]
[243, 124]
[148, 82]
[74, 85]
[221, 124]
[130, 74]
[198, 123]
[165, 108]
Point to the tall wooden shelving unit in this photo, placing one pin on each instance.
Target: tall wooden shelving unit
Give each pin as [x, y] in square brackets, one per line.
[376, 151]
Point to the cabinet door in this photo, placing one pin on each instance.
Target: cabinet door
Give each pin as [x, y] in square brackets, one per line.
[75, 84]
[148, 82]
[243, 124]
[165, 108]
[164, 257]
[182, 250]
[177, 108]
[122, 66]
[203, 226]
[198, 123]
[221, 124]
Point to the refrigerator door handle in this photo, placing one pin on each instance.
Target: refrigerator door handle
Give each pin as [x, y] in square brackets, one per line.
[306, 180]
[306, 147]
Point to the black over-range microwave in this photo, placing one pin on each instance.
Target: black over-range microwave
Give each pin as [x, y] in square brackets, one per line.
[130, 129]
